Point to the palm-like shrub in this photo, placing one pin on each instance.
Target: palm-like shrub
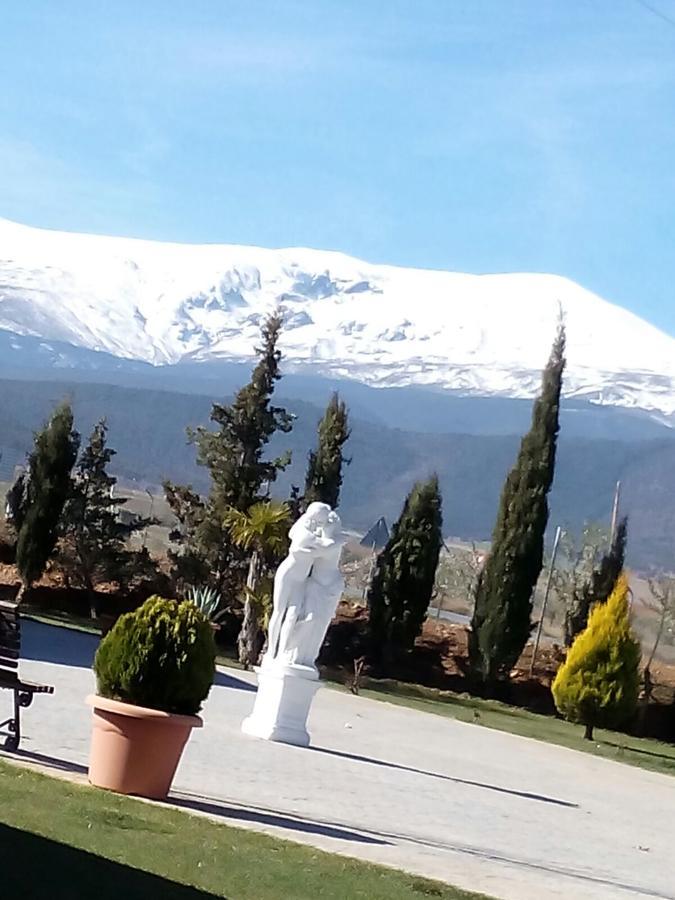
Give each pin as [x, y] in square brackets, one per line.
[263, 533]
[206, 599]
[161, 656]
[599, 681]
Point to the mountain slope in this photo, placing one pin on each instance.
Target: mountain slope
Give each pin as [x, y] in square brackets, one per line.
[168, 304]
[148, 429]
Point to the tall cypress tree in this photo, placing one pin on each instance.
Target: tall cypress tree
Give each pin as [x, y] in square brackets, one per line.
[48, 486]
[501, 624]
[403, 581]
[234, 456]
[324, 467]
[599, 586]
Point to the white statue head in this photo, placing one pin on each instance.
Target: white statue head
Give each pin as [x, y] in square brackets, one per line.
[318, 519]
[317, 514]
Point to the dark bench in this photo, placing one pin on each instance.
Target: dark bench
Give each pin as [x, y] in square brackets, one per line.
[10, 653]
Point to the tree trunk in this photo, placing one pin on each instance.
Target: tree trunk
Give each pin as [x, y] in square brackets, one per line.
[247, 639]
[91, 594]
[250, 638]
[643, 700]
[588, 732]
[23, 590]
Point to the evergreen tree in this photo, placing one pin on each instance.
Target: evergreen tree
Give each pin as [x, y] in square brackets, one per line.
[295, 503]
[17, 497]
[94, 538]
[233, 454]
[48, 487]
[501, 624]
[598, 684]
[324, 469]
[405, 572]
[599, 586]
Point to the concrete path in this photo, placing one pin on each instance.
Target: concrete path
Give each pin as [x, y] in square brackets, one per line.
[515, 818]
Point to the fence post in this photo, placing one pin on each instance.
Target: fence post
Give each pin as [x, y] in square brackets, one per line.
[535, 649]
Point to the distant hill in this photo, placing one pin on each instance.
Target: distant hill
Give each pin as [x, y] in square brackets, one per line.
[147, 427]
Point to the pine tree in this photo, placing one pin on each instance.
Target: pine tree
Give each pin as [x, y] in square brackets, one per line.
[501, 624]
[599, 586]
[405, 572]
[93, 544]
[48, 487]
[234, 456]
[324, 469]
[598, 684]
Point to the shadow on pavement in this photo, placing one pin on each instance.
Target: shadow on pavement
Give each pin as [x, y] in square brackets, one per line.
[230, 681]
[61, 646]
[36, 867]
[68, 647]
[218, 808]
[526, 795]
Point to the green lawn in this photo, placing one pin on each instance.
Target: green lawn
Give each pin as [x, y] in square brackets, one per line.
[59, 840]
[642, 752]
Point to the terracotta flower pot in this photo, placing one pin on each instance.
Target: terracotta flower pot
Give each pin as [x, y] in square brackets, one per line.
[135, 750]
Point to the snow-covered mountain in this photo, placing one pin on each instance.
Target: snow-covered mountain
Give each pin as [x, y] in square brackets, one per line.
[476, 335]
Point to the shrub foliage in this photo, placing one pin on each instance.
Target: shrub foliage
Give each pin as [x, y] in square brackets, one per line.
[403, 581]
[161, 655]
[599, 681]
[47, 488]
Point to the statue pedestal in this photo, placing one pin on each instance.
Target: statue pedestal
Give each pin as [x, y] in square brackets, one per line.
[282, 704]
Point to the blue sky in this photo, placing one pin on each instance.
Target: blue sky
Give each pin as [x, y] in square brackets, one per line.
[475, 135]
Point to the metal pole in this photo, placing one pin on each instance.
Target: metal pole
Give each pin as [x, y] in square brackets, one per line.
[615, 509]
[535, 649]
[439, 605]
[371, 570]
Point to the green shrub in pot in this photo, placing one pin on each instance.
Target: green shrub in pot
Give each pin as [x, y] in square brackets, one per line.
[160, 656]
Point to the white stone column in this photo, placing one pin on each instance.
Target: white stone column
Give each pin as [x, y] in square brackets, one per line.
[282, 704]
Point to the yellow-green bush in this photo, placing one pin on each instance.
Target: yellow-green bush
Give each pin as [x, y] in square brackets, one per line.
[598, 683]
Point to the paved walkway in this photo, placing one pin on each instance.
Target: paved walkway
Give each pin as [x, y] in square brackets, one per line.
[493, 812]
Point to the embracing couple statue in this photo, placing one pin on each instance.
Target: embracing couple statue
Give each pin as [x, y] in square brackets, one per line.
[307, 588]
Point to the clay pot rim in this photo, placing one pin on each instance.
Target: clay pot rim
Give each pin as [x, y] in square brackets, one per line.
[141, 712]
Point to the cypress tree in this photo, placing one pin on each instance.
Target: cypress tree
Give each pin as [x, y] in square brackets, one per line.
[49, 483]
[501, 624]
[93, 535]
[16, 501]
[599, 681]
[599, 586]
[324, 468]
[405, 572]
[234, 456]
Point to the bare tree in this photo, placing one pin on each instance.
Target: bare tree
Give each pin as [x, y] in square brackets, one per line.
[578, 556]
[662, 590]
[457, 574]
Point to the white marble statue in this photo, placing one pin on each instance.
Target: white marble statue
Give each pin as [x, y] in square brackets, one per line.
[307, 587]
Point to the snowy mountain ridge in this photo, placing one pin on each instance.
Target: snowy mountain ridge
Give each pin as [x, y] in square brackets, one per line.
[476, 335]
